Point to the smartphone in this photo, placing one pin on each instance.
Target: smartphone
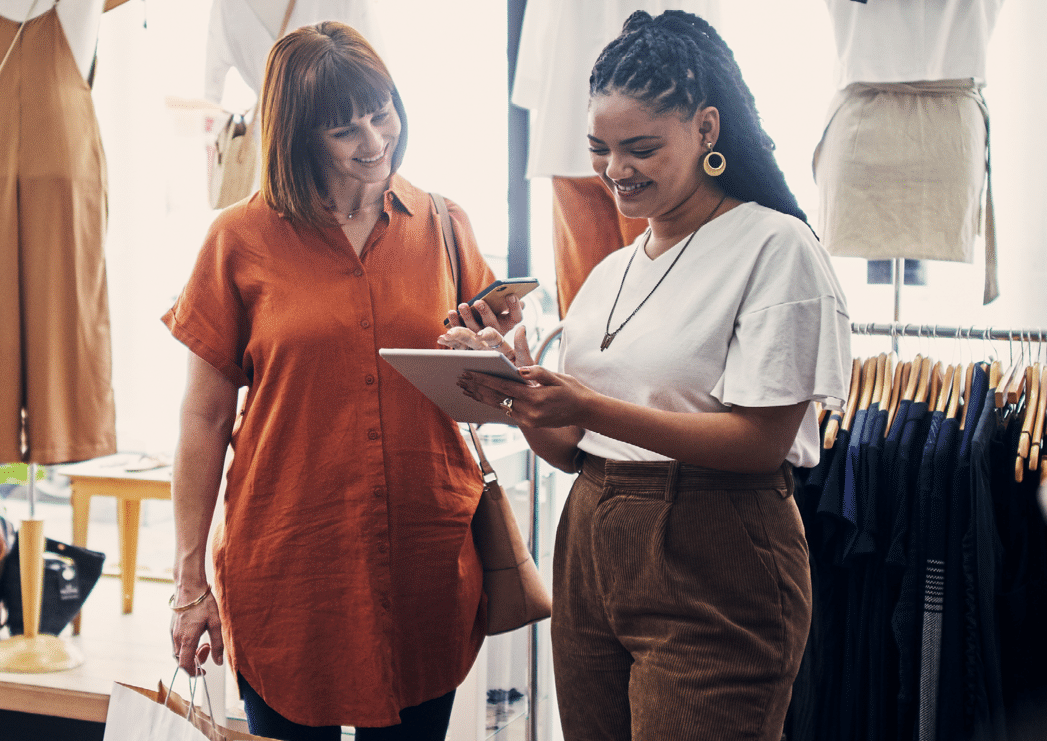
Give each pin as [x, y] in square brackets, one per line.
[496, 293]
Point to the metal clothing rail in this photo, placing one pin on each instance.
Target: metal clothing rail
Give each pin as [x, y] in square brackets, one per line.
[942, 332]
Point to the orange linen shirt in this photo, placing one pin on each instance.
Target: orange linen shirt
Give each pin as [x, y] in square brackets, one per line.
[347, 579]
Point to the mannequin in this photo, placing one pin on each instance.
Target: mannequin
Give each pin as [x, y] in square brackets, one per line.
[79, 19]
[908, 110]
[57, 404]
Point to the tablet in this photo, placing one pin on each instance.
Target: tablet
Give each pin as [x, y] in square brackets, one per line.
[435, 373]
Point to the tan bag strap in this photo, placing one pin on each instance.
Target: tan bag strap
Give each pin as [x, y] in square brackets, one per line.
[490, 477]
[17, 34]
[450, 243]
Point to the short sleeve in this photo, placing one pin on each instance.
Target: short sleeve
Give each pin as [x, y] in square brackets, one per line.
[209, 316]
[788, 353]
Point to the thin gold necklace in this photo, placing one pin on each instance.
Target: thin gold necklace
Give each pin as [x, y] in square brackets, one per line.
[353, 213]
[608, 335]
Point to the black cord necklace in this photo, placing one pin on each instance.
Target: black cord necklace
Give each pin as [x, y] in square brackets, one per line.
[608, 336]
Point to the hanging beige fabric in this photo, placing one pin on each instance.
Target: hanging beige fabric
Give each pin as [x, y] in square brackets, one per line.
[233, 171]
[900, 171]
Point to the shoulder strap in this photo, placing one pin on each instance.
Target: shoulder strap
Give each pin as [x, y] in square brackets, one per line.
[18, 33]
[450, 243]
[485, 465]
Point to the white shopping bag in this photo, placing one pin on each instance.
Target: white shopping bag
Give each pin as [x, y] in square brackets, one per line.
[137, 714]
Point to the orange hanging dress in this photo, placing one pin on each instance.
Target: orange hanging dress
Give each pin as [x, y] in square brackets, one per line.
[56, 395]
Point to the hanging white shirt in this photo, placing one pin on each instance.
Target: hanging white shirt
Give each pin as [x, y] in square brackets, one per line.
[911, 40]
[559, 43]
[752, 314]
[237, 37]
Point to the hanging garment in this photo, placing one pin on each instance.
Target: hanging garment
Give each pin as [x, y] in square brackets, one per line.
[930, 625]
[56, 395]
[587, 227]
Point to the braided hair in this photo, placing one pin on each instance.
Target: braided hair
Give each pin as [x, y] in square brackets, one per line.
[678, 63]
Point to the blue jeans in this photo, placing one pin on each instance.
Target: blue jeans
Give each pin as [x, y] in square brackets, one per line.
[425, 722]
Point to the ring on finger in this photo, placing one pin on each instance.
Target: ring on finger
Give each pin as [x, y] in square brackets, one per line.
[507, 405]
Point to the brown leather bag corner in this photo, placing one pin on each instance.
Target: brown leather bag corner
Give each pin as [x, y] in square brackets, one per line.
[516, 594]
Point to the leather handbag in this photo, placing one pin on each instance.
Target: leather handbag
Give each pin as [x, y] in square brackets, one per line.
[70, 573]
[233, 166]
[516, 595]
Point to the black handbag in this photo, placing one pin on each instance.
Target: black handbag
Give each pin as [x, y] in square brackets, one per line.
[70, 573]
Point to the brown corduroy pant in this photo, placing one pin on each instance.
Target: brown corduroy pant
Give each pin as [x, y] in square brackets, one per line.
[681, 603]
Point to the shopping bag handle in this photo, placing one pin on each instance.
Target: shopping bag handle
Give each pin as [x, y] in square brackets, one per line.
[192, 696]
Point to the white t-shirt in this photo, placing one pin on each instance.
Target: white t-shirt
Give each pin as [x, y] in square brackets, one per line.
[911, 40]
[752, 314]
[237, 37]
[559, 43]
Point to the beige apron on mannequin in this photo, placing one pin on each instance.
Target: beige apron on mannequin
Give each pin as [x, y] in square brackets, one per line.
[56, 395]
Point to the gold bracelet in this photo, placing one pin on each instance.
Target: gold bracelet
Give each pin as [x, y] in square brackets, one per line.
[194, 603]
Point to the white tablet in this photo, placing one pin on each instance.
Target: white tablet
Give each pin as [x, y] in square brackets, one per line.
[435, 373]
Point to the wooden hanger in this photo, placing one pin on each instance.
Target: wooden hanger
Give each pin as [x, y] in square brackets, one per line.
[968, 380]
[956, 396]
[995, 373]
[883, 381]
[1005, 379]
[935, 386]
[1037, 428]
[923, 385]
[1016, 385]
[836, 420]
[1032, 398]
[868, 384]
[854, 395]
[901, 380]
[912, 374]
[944, 386]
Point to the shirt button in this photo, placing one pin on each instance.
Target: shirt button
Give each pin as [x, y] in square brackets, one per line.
[364, 323]
[358, 273]
[372, 434]
[382, 547]
[369, 379]
[379, 491]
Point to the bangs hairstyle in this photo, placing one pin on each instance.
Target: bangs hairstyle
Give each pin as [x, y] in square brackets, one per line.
[317, 77]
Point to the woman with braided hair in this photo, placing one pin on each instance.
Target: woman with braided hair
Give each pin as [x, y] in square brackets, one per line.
[689, 363]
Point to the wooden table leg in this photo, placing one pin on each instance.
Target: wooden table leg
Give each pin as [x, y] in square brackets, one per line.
[81, 504]
[128, 514]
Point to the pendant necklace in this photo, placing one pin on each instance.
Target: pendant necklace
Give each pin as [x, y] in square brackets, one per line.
[353, 213]
[608, 336]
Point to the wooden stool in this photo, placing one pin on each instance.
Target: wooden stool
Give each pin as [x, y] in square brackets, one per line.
[102, 477]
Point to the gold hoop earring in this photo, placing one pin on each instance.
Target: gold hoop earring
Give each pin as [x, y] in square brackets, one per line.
[712, 167]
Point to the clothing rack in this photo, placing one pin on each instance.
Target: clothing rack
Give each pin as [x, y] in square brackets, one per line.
[942, 332]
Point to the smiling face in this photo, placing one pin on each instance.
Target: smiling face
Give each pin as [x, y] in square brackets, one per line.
[361, 150]
[651, 163]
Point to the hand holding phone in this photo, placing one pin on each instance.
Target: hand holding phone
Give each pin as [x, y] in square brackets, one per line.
[495, 295]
